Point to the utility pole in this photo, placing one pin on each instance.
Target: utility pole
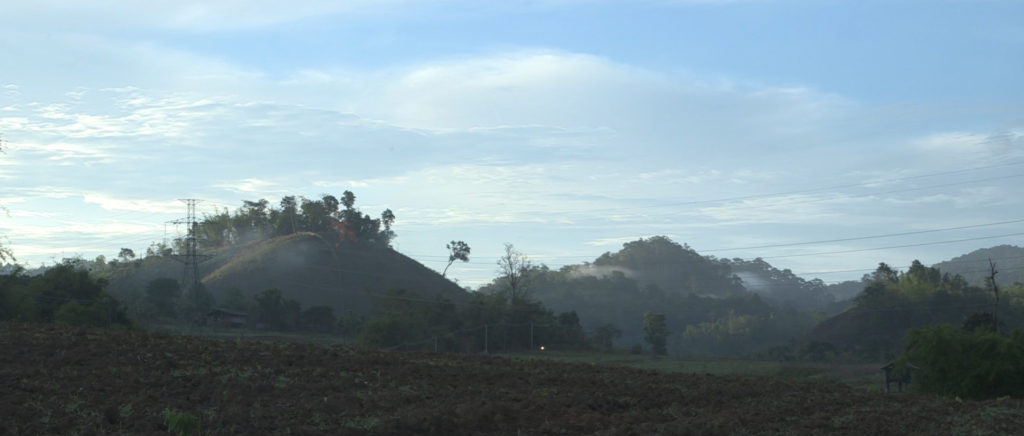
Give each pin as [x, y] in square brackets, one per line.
[995, 290]
[191, 257]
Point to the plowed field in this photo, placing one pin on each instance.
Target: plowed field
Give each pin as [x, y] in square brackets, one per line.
[62, 380]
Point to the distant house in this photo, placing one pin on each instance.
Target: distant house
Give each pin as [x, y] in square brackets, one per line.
[221, 317]
[900, 376]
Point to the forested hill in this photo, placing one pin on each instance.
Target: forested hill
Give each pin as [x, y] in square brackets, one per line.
[974, 266]
[318, 252]
[706, 305]
[661, 265]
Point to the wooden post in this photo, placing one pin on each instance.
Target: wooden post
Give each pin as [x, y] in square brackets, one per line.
[486, 349]
[531, 336]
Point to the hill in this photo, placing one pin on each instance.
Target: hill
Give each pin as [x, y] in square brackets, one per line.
[63, 380]
[707, 307]
[305, 267]
[973, 266]
[894, 302]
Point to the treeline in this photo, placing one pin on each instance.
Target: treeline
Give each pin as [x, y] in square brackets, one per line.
[401, 319]
[329, 216]
[65, 293]
[894, 302]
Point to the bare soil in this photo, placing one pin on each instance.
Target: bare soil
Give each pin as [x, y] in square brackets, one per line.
[64, 380]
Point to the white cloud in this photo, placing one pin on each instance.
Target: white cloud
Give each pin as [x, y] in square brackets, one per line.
[108, 202]
[187, 15]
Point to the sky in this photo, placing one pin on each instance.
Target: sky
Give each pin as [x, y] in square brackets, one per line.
[824, 136]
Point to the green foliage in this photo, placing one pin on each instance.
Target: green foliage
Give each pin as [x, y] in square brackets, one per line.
[82, 315]
[656, 332]
[276, 312]
[816, 351]
[63, 283]
[894, 302]
[696, 293]
[234, 299]
[164, 294]
[673, 266]
[181, 423]
[983, 320]
[458, 250]
[781, 287]
[404, 317]
[64, 293]
[319, 319]
[258, 220]
[604, 336]
[976, 364]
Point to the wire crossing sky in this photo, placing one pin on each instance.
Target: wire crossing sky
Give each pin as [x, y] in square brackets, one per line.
[793, 130]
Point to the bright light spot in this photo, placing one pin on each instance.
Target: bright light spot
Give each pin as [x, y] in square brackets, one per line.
[541, 348]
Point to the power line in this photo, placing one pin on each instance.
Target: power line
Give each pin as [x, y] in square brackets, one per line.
[861, 238]
[789, 244]
[894, 246]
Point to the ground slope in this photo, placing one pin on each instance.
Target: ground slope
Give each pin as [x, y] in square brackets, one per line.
[61, 380]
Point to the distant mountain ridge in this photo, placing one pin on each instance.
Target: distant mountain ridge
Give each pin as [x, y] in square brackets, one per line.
[974, 267]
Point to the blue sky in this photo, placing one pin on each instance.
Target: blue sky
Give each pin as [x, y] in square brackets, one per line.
[565, 127]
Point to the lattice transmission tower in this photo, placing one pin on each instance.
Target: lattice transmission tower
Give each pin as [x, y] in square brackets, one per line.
[191, 257]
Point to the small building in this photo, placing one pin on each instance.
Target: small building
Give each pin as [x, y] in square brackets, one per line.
[901, 376]
[222, 317]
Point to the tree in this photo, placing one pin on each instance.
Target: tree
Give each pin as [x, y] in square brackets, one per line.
[977, 364]
[234, 299]
[163, 293]
[319, 319]
[126, 255]
[270, 308]
[458, 250]
[885, 273]
[991, 279]
[514, 268]
[276, 312]
[82, 315]
[387, 218]
[656, 332]
[348, 199]
[605, 335]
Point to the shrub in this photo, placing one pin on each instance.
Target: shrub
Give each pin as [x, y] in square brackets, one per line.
[181, 423]
[975, 364]
[72, 313]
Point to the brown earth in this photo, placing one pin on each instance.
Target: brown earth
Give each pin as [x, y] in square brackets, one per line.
[64, 380]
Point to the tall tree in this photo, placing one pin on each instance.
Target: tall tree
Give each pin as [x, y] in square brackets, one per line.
[387, 218]
[126, 255]
[348, 199]
[457, 250]
[656, 332]
[514, 268]
[991, 279]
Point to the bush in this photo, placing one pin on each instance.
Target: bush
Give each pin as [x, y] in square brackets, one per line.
[93, 315]
[181, 423]
[975, 364]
